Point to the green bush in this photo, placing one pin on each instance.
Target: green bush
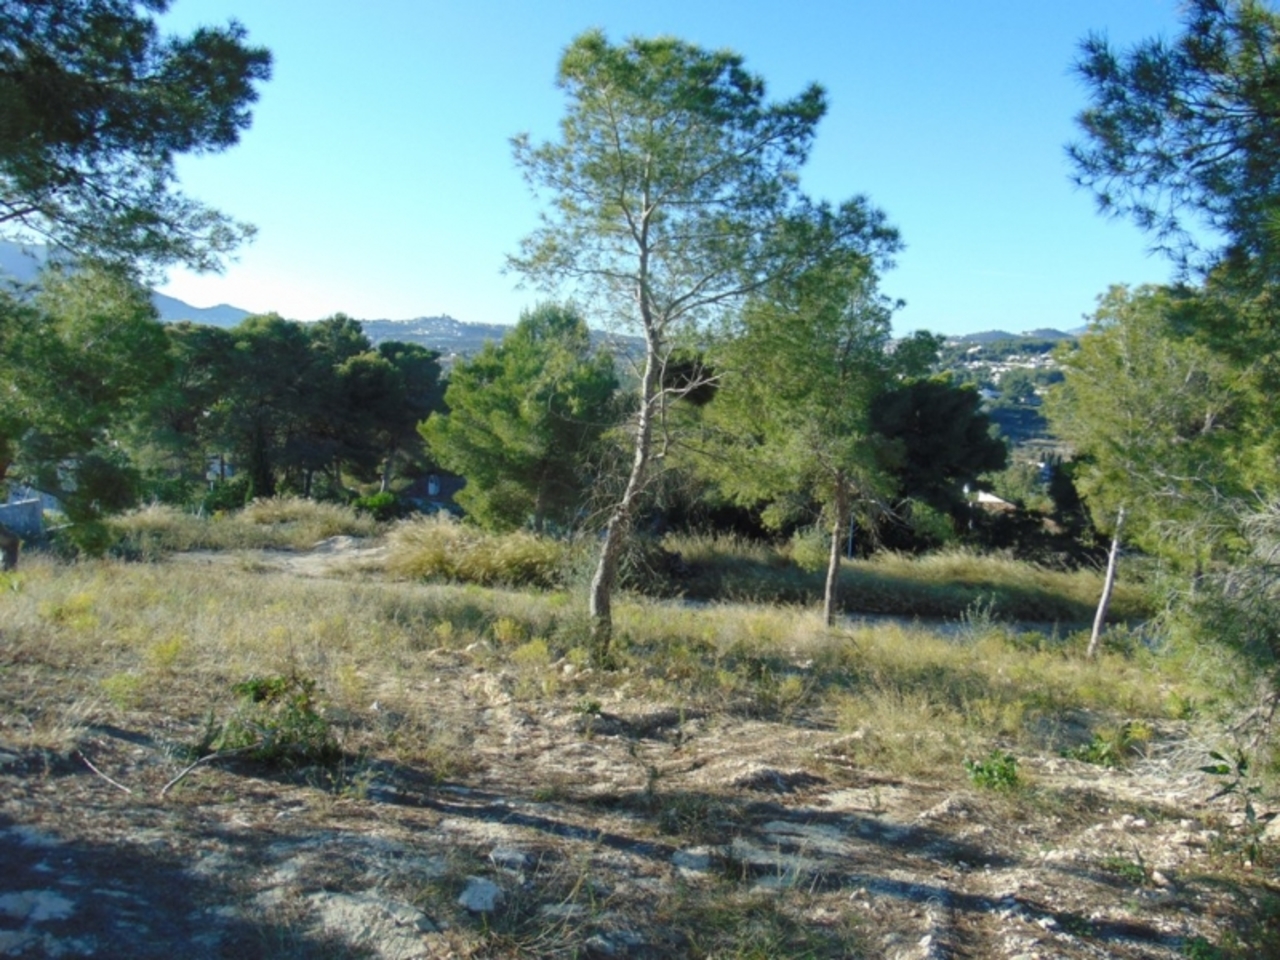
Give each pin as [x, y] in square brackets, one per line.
[226, 495]
[277, 722]
[998, 772]
[383, 507]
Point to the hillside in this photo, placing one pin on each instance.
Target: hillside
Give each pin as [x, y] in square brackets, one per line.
[460, 782]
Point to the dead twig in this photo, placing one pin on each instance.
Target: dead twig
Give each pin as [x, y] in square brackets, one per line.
[221, 754]
[115, 783]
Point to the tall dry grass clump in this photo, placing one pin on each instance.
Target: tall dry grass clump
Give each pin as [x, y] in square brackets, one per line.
[441, 548]
[944, 584]
[279, 523]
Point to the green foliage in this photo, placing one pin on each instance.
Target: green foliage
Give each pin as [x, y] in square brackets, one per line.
[79, 362]
[96, 106]
[673, 194]
[786, 439]
[381, 506]
[1186, 126]
[941, 439]
[1112, 747]
[227, 495]
[523, 419]
[277, 722]
[1235, 779]
[1154, 417]
[1131, 871]
[999, 771]
[292, 406]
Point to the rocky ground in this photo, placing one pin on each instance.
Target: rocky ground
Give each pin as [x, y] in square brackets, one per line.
[620, 829]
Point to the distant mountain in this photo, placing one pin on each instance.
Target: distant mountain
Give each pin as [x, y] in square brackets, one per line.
[171, 310]
[992, 336]
[987, 336]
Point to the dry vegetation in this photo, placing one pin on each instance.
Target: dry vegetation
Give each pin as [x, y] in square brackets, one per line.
[710, 797]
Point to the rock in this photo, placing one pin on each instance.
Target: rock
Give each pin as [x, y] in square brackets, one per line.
[390, 928]
[481, 896]
[36, 906]
[509, 858]
[695, 859]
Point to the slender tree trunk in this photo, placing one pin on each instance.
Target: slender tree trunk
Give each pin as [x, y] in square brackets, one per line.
[600, 603]
[8, 548]
[830, 595]
[385, 485]
[1108, 587]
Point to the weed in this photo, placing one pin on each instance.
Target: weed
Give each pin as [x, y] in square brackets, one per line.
[124, 690]
[1198, 948]
[277, 722]
[998, 772]
[1236, 780]
[1112, 747]
[1131, 871]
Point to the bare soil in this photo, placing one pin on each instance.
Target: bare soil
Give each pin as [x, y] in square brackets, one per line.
[623, 829]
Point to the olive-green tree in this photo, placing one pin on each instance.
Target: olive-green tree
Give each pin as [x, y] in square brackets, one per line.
[95, 105]
[673, 194]
[1156, 419]
[522, 418]
[79, 363]
[806, 360]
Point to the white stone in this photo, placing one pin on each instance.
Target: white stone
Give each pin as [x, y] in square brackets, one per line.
[481, 896]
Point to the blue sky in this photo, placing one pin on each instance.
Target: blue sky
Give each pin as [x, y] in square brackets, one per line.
[379, 174]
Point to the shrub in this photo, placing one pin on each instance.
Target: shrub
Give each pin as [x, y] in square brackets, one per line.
[998, 772]
[277, 722]
[383, 507]
[440, 547]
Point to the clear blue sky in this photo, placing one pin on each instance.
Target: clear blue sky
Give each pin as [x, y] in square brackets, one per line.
[379, 173]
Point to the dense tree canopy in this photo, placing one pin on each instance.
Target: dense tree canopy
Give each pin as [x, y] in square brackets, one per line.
[523, 419]
[806, 361]
[1157, 419]
[95, 104]
[78, 363]
[1183, 135]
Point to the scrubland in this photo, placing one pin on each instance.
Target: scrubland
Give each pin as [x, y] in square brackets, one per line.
[740, 782]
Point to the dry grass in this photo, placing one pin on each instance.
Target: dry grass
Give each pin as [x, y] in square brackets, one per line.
[943, 584]
[441, 548]
[169, 638]
[281, 523]
[416, 675]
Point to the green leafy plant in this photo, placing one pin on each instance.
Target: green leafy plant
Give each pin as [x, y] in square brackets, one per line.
[1131, 871]
[382, 506]
[999, 771]
[277, 722]
[1113, 747]
[1235, 779]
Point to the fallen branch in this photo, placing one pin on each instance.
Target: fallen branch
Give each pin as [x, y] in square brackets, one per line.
[206, 759]
[115, 783]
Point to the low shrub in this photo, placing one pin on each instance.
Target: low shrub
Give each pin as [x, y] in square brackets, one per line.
[999, 771]
[277, 722]
[442, 548]
[383, 507]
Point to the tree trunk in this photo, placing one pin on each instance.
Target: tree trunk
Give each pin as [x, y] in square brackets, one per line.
[385, 485]
[1108, 587]
[8, 548]
[600, 603]
[831, 593]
